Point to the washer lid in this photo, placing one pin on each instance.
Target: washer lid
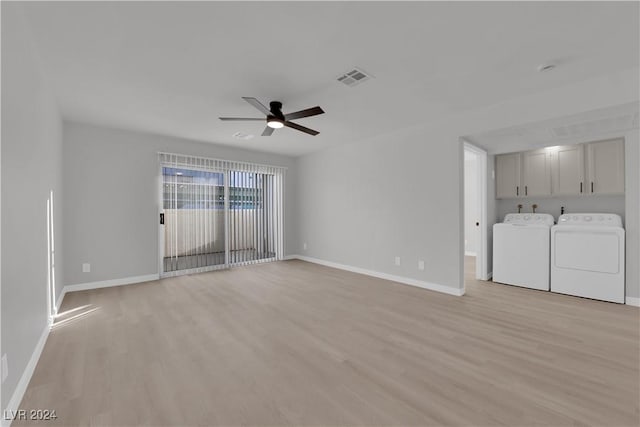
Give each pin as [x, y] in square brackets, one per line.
[599, 219]
[529, 219]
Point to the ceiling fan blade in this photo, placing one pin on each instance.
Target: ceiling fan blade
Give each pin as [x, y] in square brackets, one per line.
[267, 131]
[301, 128]
[257, 104]
[314, 111]
[240, 118]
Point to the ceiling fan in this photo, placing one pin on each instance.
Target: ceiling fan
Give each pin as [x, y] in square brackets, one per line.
[276, 119]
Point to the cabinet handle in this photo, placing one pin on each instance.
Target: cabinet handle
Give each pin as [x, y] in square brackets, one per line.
[517, 190]
[526, 191]
[592, 186]
[581, 187]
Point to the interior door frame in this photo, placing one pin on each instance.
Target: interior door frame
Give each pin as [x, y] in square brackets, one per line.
[481, 180]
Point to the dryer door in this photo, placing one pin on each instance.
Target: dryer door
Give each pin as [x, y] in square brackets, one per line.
[588, 262]
[588, 250]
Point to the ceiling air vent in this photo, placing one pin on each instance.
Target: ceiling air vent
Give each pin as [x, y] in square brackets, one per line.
[354, 77]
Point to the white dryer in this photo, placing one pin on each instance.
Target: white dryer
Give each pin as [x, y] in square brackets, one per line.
[587, 256]
[521, 250]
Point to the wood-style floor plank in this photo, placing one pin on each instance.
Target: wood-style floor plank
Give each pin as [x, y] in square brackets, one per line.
[294, 343]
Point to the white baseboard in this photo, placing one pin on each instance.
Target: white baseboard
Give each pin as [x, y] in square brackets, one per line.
[632, 301]
[110, 283]
[405, 280]
[21, 387]
[60, 298]
[469, 253]
[288, 257]
[104, 284]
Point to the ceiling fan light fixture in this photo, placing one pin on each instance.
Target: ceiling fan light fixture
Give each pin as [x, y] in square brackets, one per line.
[276, 119]
[274, 122]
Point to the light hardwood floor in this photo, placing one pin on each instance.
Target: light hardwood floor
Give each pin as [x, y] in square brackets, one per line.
[293, 343]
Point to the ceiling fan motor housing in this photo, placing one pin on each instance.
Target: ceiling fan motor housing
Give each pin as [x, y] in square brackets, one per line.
[276, 109]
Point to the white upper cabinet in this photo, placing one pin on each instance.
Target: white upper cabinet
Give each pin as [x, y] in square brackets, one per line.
[567, 170]
[605, 167]
[508, 175]
[536, 176]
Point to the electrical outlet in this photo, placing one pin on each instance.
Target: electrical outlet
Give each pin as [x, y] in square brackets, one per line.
[304, 246]
[397, 260]
[86, 267]
[420, 265]
[5, 367]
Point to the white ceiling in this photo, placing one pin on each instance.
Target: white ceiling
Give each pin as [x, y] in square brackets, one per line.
[174, 67]
[582, 127]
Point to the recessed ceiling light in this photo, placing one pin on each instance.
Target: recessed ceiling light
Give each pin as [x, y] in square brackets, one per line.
[542, 68]
[178, 173]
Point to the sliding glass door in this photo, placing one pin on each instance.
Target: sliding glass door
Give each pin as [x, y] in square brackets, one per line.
[251, 217]
[194, 219]
[217, 214]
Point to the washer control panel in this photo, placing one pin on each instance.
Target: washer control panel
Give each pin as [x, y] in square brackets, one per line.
[599, 219]
[529, 218]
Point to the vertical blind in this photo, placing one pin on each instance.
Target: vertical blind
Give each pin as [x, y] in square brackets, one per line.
[219, 213]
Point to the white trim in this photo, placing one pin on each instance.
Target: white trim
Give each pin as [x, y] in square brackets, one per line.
[289, 257]
[60, 298]
[21, 387]
[110, 283]
[482, 254]
[632, 301]
[404, 280]
[469, 253]
[489, 276]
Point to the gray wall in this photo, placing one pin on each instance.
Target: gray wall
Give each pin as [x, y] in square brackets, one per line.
[111, 208]
[31, 167]
[363, 204]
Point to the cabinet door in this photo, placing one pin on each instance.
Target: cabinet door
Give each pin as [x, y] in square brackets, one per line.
[536, 174]
[508, 175]
[606, 167]
[567, 170]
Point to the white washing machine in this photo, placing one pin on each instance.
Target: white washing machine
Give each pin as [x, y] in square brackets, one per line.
[521, 250]
[587, 256]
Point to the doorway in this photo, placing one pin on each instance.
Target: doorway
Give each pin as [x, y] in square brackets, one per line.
[475, 213]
